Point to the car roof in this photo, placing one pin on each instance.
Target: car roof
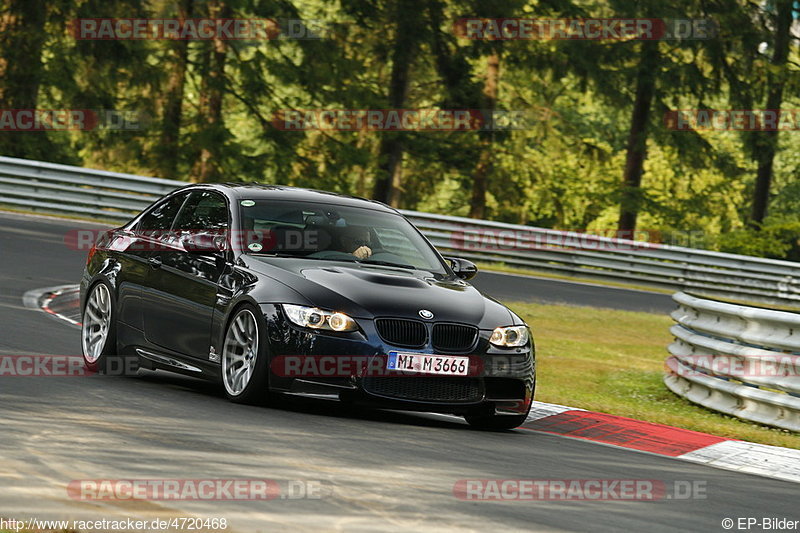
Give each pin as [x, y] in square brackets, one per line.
[256, 191]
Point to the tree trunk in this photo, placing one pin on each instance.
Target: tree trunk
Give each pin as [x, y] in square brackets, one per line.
[206, 167]
[484, 167]
[452, 65]
[388, 183]
[22, 38]
[767, 143]
[173, 101]
[637, 137]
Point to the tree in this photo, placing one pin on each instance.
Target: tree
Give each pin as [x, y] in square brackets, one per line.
[22, 37]
[636, 148]
[483, 167]
[651, 76]
[766, 145]
[176, 60]
[212, 132]
[388, 186]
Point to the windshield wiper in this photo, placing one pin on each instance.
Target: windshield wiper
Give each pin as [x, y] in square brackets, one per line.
[290, 256]
[297, 256]
[387, 263]
[343, 260]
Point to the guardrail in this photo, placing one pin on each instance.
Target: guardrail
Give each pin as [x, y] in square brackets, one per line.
[593, 256]
[739, 360]
[53, 188]
[73, 190]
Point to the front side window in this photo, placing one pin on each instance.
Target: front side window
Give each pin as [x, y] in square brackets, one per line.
[161, 217]
[205, 211]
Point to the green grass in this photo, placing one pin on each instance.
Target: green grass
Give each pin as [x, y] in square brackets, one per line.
[613, 362]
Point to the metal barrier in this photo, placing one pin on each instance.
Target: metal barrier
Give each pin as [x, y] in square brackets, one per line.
[739, 360]
[593, 256]
[73, 190]
[53, 188]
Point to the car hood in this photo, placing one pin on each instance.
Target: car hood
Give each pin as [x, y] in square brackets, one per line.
[368, 291]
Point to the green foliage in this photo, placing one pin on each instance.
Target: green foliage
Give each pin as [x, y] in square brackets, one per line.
[778, 240]
[562, 171]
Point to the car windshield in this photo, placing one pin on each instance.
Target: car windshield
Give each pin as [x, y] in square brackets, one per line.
[334, 233]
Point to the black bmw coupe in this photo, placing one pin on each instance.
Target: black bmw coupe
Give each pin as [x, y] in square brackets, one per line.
[279, 289]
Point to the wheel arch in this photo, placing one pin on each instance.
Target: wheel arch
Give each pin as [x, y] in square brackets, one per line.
[108, 273]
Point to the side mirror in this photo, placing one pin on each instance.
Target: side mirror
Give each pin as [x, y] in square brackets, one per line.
[462, 268]
[203, 243]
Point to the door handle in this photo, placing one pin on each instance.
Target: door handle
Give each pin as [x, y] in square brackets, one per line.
[155, 262]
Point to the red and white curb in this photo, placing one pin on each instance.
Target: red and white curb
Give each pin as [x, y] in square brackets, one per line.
[61, 302]
[719, 452]
[769, 461]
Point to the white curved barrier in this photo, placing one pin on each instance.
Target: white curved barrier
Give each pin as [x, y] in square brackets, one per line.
[739, 360]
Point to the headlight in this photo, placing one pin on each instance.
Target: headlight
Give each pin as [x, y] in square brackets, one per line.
[510, 336]
[315, 318]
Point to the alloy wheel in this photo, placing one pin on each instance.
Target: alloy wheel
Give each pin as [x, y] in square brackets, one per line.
[96, 323]
[240, 352]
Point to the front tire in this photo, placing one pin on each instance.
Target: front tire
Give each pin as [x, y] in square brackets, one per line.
[98, 327]
[244, 365]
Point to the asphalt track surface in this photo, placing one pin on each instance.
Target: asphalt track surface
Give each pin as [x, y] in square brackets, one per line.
[377, 470]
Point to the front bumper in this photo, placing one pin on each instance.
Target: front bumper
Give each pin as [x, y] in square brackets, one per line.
[351, 366]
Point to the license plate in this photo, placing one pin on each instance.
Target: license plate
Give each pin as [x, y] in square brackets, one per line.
[420, 363]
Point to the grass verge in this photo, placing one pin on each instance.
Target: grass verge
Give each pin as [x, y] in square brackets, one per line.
[613, 362]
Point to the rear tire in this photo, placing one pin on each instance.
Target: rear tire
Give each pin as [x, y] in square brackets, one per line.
[98, 327]
[244, 368]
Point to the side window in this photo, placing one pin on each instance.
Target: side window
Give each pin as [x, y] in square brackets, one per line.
[161, 217]
[205, 211]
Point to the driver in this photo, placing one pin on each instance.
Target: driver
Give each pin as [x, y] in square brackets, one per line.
[356, 241]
